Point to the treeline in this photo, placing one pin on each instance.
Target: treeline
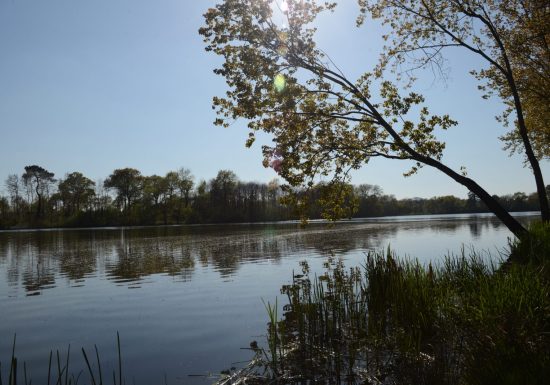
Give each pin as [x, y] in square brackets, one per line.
[126, 197]
[373, 203]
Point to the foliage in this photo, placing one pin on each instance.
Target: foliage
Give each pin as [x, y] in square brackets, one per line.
[38, 180]
[323, 124]
[528, 42]
[533, 247]
[143, 200]
[174, 199]
[4, 212]
[76, 192]
[128, 184]
[511, 39]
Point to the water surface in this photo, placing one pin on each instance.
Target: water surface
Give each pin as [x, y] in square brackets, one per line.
[185, 299]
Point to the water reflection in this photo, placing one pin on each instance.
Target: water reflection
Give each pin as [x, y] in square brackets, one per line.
[475, 230]
[39, 260]
[36, 279]
[136, 258]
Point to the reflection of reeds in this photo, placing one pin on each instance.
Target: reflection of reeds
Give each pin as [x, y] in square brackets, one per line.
[397, 321]
[63, 377]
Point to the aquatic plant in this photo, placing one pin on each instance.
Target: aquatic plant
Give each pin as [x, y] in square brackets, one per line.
[62, 377]
[465, 320]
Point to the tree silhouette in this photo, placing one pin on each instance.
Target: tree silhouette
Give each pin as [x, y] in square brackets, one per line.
[40, 180]
[128, 184]
[76, 191]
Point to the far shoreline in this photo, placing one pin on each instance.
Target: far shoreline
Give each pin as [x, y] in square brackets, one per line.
[378, 219]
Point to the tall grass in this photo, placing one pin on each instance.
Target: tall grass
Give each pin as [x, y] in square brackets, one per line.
[397, 321]
[63, 375]
[533, 247]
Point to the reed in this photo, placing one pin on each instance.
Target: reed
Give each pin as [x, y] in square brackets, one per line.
[274, 334]
[390, 320]
[63, 376]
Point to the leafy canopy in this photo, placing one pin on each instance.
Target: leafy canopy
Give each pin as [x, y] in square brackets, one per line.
[323, 124]
[510, 36]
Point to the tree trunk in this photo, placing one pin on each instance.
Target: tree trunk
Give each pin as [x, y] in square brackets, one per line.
[535, 166]
[533, 161]
[509, 221]
[496, 208]
[39, 207]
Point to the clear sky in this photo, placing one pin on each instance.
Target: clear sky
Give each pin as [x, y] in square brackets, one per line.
[92, 86]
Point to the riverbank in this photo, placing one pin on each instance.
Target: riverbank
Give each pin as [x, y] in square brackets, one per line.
[379, 219]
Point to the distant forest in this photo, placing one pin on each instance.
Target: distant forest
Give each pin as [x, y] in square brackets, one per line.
[126, 197]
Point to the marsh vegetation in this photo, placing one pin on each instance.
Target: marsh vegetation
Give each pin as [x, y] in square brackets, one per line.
[396, 321]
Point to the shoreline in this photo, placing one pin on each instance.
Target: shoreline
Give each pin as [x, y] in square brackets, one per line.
[381, 219]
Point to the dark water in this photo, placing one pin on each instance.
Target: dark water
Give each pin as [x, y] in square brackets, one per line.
[186, 299]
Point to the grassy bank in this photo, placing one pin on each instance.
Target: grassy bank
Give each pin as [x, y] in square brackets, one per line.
[464, 321]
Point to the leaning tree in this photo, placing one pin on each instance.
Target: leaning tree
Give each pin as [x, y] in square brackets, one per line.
[512, 39]
[323, 122]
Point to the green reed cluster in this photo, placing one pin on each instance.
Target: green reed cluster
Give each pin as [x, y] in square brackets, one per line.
[59, 372]
[464, 321]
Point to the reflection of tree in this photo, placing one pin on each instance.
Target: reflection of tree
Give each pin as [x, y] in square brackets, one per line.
[475, 229]
[11, 246]
[38, 271]
[238, 245]
[40, 278]
[478, 225]
[4, 247]
[78, 262]
[78, 255]
[137, 258]
[35, 257]
[343, 237]
[35, 260]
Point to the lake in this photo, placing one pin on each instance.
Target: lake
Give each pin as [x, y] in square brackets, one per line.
[187, 299]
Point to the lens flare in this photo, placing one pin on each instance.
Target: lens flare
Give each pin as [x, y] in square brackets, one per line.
[284, 6]
[279, 82]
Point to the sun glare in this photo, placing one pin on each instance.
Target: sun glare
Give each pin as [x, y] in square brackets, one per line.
[284, 6]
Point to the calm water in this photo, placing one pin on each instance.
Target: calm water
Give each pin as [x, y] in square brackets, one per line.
[186, 299]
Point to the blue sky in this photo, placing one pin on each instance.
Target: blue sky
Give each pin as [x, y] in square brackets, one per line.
[91, 86]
